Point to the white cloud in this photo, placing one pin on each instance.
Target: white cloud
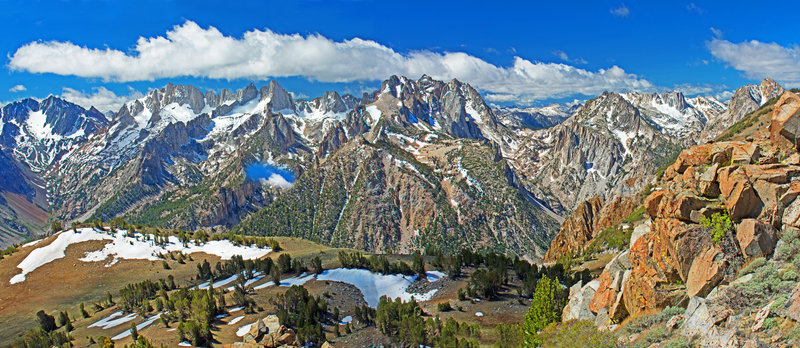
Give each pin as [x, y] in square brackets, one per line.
[100, 97]
[757, 60]
[189, 50]
[17, 88]
[621, 11]
[724, 96]
[717, 33]
[563, 56]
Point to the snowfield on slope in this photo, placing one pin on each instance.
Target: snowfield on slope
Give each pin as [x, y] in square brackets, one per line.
[129, 248]
[372, 285]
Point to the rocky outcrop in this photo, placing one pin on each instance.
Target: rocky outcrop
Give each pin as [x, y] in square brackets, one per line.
[580, 298]
[703, 319]
[608, 296]
[268, 333]
[785, 124]
[586, 222]
[576, 231]
[718, 206]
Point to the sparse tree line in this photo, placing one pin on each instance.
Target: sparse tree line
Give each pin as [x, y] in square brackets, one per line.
[405, 324]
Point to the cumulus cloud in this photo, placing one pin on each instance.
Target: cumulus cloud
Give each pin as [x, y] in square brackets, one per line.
[190, 50]
[757, 60]
[100, 97]
[17, 88]
[621, 11]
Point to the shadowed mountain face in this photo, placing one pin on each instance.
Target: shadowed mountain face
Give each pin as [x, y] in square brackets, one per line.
[413, 164]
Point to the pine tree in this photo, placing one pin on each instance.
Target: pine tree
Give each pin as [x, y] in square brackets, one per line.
[46, 321]
[419, 265]
[134, 332]
[84, 313]
[545, 308]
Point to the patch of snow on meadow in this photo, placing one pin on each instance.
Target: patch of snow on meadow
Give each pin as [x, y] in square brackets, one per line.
[53, 251]
[125, 247]
[142, 325]
[244, 329]
[236, 320]
[110, 321]
[434, 276]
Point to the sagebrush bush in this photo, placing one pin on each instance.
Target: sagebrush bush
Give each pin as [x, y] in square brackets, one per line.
[677, 342]
[646, 321]
[649, 337]
[752, 266]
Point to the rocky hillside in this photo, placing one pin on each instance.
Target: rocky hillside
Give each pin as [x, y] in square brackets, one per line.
[653, 128]
[719, 239]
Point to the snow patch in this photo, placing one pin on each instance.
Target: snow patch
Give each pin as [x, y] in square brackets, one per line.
[125, 247]
[374, 114]
[236, 320]
[110, 321]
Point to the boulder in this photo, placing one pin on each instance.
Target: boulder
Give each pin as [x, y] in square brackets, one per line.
[745, 153]
[701, 319]
[245, 345]
[706, 272]
[610, 283]
[791, 193]
[653, 281]
[327, 345]
[729, 177]
[769, 193]
[755, 238]
[761, 316]
[257, 330]
[785, 123]
[673, 322]
[743, 202]
[640, 230]
[682, 205]
[791, 215]
[579, 299]
[272, 323]
[793, 304]
[652, 201]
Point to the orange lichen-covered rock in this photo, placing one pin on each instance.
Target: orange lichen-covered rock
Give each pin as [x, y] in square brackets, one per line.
[785, 124]
[706, 272]
[652, 201]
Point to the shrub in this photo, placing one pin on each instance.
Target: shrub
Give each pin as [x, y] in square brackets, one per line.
[643, 322]
[444, 307]
[677, 342]
[576, 334]
[752, 266]
[649, 337]
[719, 224]
[788, 247]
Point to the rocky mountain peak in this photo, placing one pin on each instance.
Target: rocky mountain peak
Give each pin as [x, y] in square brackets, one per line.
[278, 98]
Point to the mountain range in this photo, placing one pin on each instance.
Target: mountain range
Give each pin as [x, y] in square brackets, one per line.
[414, 164]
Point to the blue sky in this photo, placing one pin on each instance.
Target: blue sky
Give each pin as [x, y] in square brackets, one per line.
[527, 52]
